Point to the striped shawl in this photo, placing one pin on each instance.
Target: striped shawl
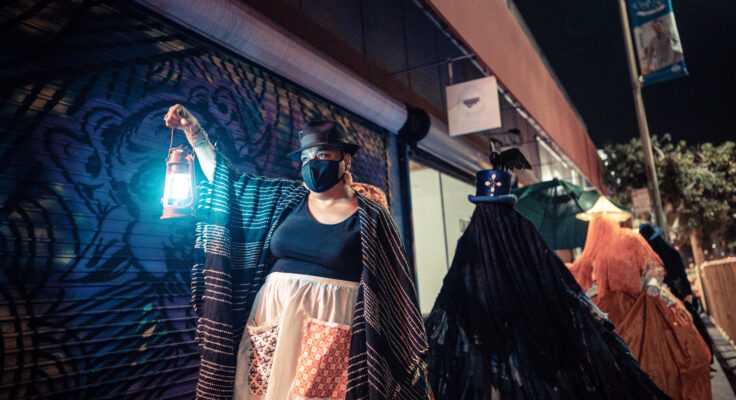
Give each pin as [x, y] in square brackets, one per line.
[238, 214]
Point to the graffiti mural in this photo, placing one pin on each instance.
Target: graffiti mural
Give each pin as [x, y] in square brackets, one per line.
[94, 287]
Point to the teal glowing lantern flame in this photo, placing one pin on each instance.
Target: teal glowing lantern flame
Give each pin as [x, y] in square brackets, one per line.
[178, 197]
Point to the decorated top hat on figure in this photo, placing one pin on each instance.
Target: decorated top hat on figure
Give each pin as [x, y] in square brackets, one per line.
[494, 185]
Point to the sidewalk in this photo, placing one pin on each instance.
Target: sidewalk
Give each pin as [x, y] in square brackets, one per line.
[723, 382]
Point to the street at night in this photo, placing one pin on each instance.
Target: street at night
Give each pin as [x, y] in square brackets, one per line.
[412, 199]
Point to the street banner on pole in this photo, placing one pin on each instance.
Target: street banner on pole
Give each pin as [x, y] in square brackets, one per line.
[657, 41]
[473, 106]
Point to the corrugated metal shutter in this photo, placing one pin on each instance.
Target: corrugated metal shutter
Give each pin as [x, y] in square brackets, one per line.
[94, 288]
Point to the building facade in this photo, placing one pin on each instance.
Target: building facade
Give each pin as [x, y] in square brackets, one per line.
[95, 287]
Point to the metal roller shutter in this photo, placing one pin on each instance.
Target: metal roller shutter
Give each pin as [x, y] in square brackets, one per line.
[94, 288]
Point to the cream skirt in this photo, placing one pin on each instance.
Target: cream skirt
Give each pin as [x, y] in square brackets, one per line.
[297, 339]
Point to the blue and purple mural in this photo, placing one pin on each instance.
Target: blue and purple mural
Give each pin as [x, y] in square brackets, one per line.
[94, 287]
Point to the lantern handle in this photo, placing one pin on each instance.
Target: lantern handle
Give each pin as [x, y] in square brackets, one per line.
[171, 144]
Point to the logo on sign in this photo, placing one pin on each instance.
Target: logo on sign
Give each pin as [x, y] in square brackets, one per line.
[471, 102]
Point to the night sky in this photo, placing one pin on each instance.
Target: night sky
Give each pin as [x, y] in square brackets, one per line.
[583, 43]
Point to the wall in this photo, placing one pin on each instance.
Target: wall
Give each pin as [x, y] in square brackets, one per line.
[94, 287]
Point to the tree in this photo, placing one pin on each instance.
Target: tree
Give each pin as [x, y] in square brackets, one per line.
[697, 183]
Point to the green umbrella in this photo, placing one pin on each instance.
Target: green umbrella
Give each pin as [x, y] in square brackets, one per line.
[551, 206]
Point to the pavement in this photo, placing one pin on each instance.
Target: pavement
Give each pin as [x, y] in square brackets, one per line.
[723, 379]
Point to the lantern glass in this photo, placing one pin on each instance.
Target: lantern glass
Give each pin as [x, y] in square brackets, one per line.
[178, 189]
[178, 199]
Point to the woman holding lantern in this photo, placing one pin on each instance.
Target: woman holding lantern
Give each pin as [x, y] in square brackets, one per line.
[303, 289]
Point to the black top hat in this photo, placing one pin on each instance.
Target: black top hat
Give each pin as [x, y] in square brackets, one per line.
[493, 186]
[323, 133]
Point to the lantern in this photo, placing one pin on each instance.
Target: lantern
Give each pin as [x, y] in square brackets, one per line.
[178, 197]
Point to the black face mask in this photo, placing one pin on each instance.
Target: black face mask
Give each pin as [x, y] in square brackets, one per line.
[321, 175]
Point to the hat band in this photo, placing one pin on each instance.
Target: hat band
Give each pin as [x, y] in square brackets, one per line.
[319, 139]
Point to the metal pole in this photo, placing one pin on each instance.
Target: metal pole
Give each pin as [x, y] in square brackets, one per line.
[434, 64]
[641, 117]
[406, 214]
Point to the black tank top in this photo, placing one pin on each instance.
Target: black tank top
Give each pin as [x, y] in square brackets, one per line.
[305, 246]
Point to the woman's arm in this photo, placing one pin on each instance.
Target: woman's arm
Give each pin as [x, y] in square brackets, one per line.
[205, 153]
[179, 117]
[653, 278]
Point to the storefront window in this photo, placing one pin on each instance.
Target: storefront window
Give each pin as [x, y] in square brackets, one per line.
[440, 213]
[551, 166]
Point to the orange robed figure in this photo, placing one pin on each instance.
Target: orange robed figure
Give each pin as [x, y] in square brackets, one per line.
[623, 276]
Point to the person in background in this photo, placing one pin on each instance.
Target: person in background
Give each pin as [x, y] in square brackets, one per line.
[676, 278]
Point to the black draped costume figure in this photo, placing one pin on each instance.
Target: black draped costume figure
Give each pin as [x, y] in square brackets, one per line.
[676, 277]
[511, 322]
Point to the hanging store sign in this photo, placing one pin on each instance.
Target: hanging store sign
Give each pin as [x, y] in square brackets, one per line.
[657, 41]
[473, 106]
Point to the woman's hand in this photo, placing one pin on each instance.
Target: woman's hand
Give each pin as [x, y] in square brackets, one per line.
[179, 117]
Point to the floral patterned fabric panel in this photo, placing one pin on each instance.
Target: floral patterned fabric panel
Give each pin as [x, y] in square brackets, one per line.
[322, 369]
[263, 346]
